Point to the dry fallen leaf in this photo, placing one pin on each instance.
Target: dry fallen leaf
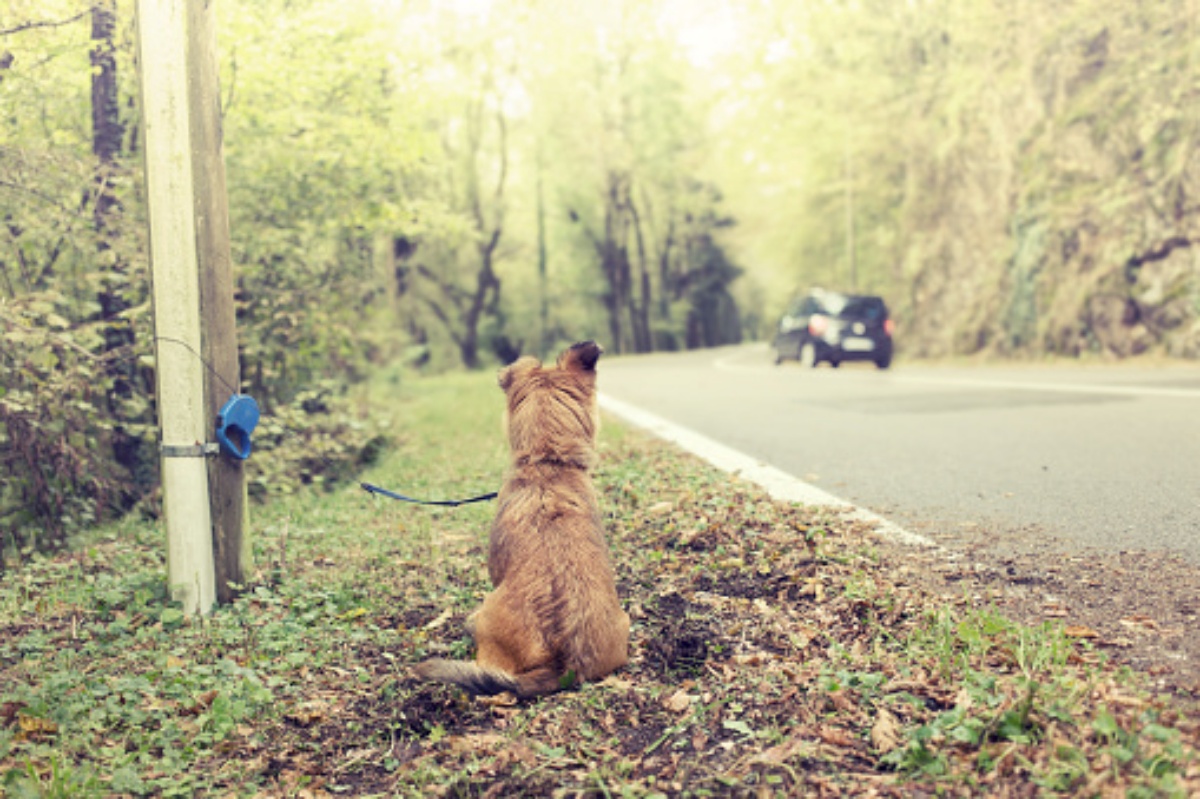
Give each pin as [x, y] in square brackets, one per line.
[885, 732]
[502, 699]
[660, 508]
[613, 681]
[515, 752]
[1140, 622]
[308, 713]
[475, 742]
[784, 751]
[842, 700]
[34, 726]
[751, 659]
[1079, 631]
[835, 736]
[1122, 700]
[678, 702]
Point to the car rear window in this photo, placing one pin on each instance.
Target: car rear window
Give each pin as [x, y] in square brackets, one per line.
[871, 309]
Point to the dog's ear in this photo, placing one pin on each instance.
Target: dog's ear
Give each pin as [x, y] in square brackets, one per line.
[518, 367]
[581, 356]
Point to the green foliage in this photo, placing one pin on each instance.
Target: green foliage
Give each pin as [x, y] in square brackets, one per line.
[53, 429]
[321, 138]
[456, 184]
[1014, 179]
[871, 685]
[77, 371]
[317, 442]
[642, 220]
[74, 410]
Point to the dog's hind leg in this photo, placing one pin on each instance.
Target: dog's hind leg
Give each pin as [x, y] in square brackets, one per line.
[471, 623]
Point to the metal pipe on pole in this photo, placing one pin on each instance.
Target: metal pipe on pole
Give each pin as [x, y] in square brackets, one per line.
[183, 419]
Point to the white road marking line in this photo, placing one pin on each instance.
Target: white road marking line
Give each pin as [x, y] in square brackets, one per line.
[778, 483]
[731, 363]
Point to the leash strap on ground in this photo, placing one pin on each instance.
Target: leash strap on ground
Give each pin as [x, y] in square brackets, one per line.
[453, 503]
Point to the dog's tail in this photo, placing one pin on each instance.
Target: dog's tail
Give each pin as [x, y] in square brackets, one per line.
[488, 681]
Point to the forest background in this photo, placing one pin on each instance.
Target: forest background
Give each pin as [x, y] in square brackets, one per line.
[453, 183]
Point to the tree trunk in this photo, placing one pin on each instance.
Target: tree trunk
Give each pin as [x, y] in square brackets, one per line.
[639, 308]
[664, 272]
[614, 260]
[106, 122]
[486, 283]
[107, 133]
[612, 298]
[543, 300]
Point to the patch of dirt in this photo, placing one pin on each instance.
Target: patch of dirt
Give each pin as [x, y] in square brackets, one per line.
[678, 640]
[1141, 609]
[635, 740]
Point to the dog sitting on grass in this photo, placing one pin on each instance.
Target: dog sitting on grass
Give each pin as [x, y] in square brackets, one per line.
[553, 618]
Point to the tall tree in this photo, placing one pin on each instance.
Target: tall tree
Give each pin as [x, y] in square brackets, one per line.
[462, 305]
[459, 279]
[328, 153]
[113, 298]
[635, 190]
[1023, 177]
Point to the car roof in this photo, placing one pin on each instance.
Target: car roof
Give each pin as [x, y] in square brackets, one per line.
[846, 295]
[839, 298]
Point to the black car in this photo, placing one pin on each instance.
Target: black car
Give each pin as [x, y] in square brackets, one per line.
[834, 327]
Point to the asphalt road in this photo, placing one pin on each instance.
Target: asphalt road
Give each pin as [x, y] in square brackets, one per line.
[1095, 456]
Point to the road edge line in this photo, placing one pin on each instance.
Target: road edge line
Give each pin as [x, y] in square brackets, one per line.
[777, 483]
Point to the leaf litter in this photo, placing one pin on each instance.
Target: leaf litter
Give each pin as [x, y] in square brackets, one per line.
[775, 651]
[772, 653]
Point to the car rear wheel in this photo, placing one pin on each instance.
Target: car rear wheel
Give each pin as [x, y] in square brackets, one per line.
[883, 363]
[808, 356]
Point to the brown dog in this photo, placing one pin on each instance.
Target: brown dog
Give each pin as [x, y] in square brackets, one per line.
[553, 617]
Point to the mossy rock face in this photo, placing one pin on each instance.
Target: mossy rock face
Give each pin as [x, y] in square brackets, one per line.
[1116, 322]
[1186, 343]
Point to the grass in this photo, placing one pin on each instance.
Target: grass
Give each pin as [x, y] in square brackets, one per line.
[773, 654]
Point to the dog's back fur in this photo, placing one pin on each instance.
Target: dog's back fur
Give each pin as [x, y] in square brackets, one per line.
[554, 617]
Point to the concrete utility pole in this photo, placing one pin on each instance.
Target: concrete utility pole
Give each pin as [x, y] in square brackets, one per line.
[193, 297]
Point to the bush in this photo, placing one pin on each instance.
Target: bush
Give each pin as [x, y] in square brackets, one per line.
[57, 432]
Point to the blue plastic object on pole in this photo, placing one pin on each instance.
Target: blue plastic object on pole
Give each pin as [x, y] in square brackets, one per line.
[235, 423]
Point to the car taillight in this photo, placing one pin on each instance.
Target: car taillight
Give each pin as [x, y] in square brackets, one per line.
[817, 325]
[888, 326]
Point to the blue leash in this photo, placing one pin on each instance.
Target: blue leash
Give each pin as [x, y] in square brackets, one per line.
[240, 416]
[453, 503]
